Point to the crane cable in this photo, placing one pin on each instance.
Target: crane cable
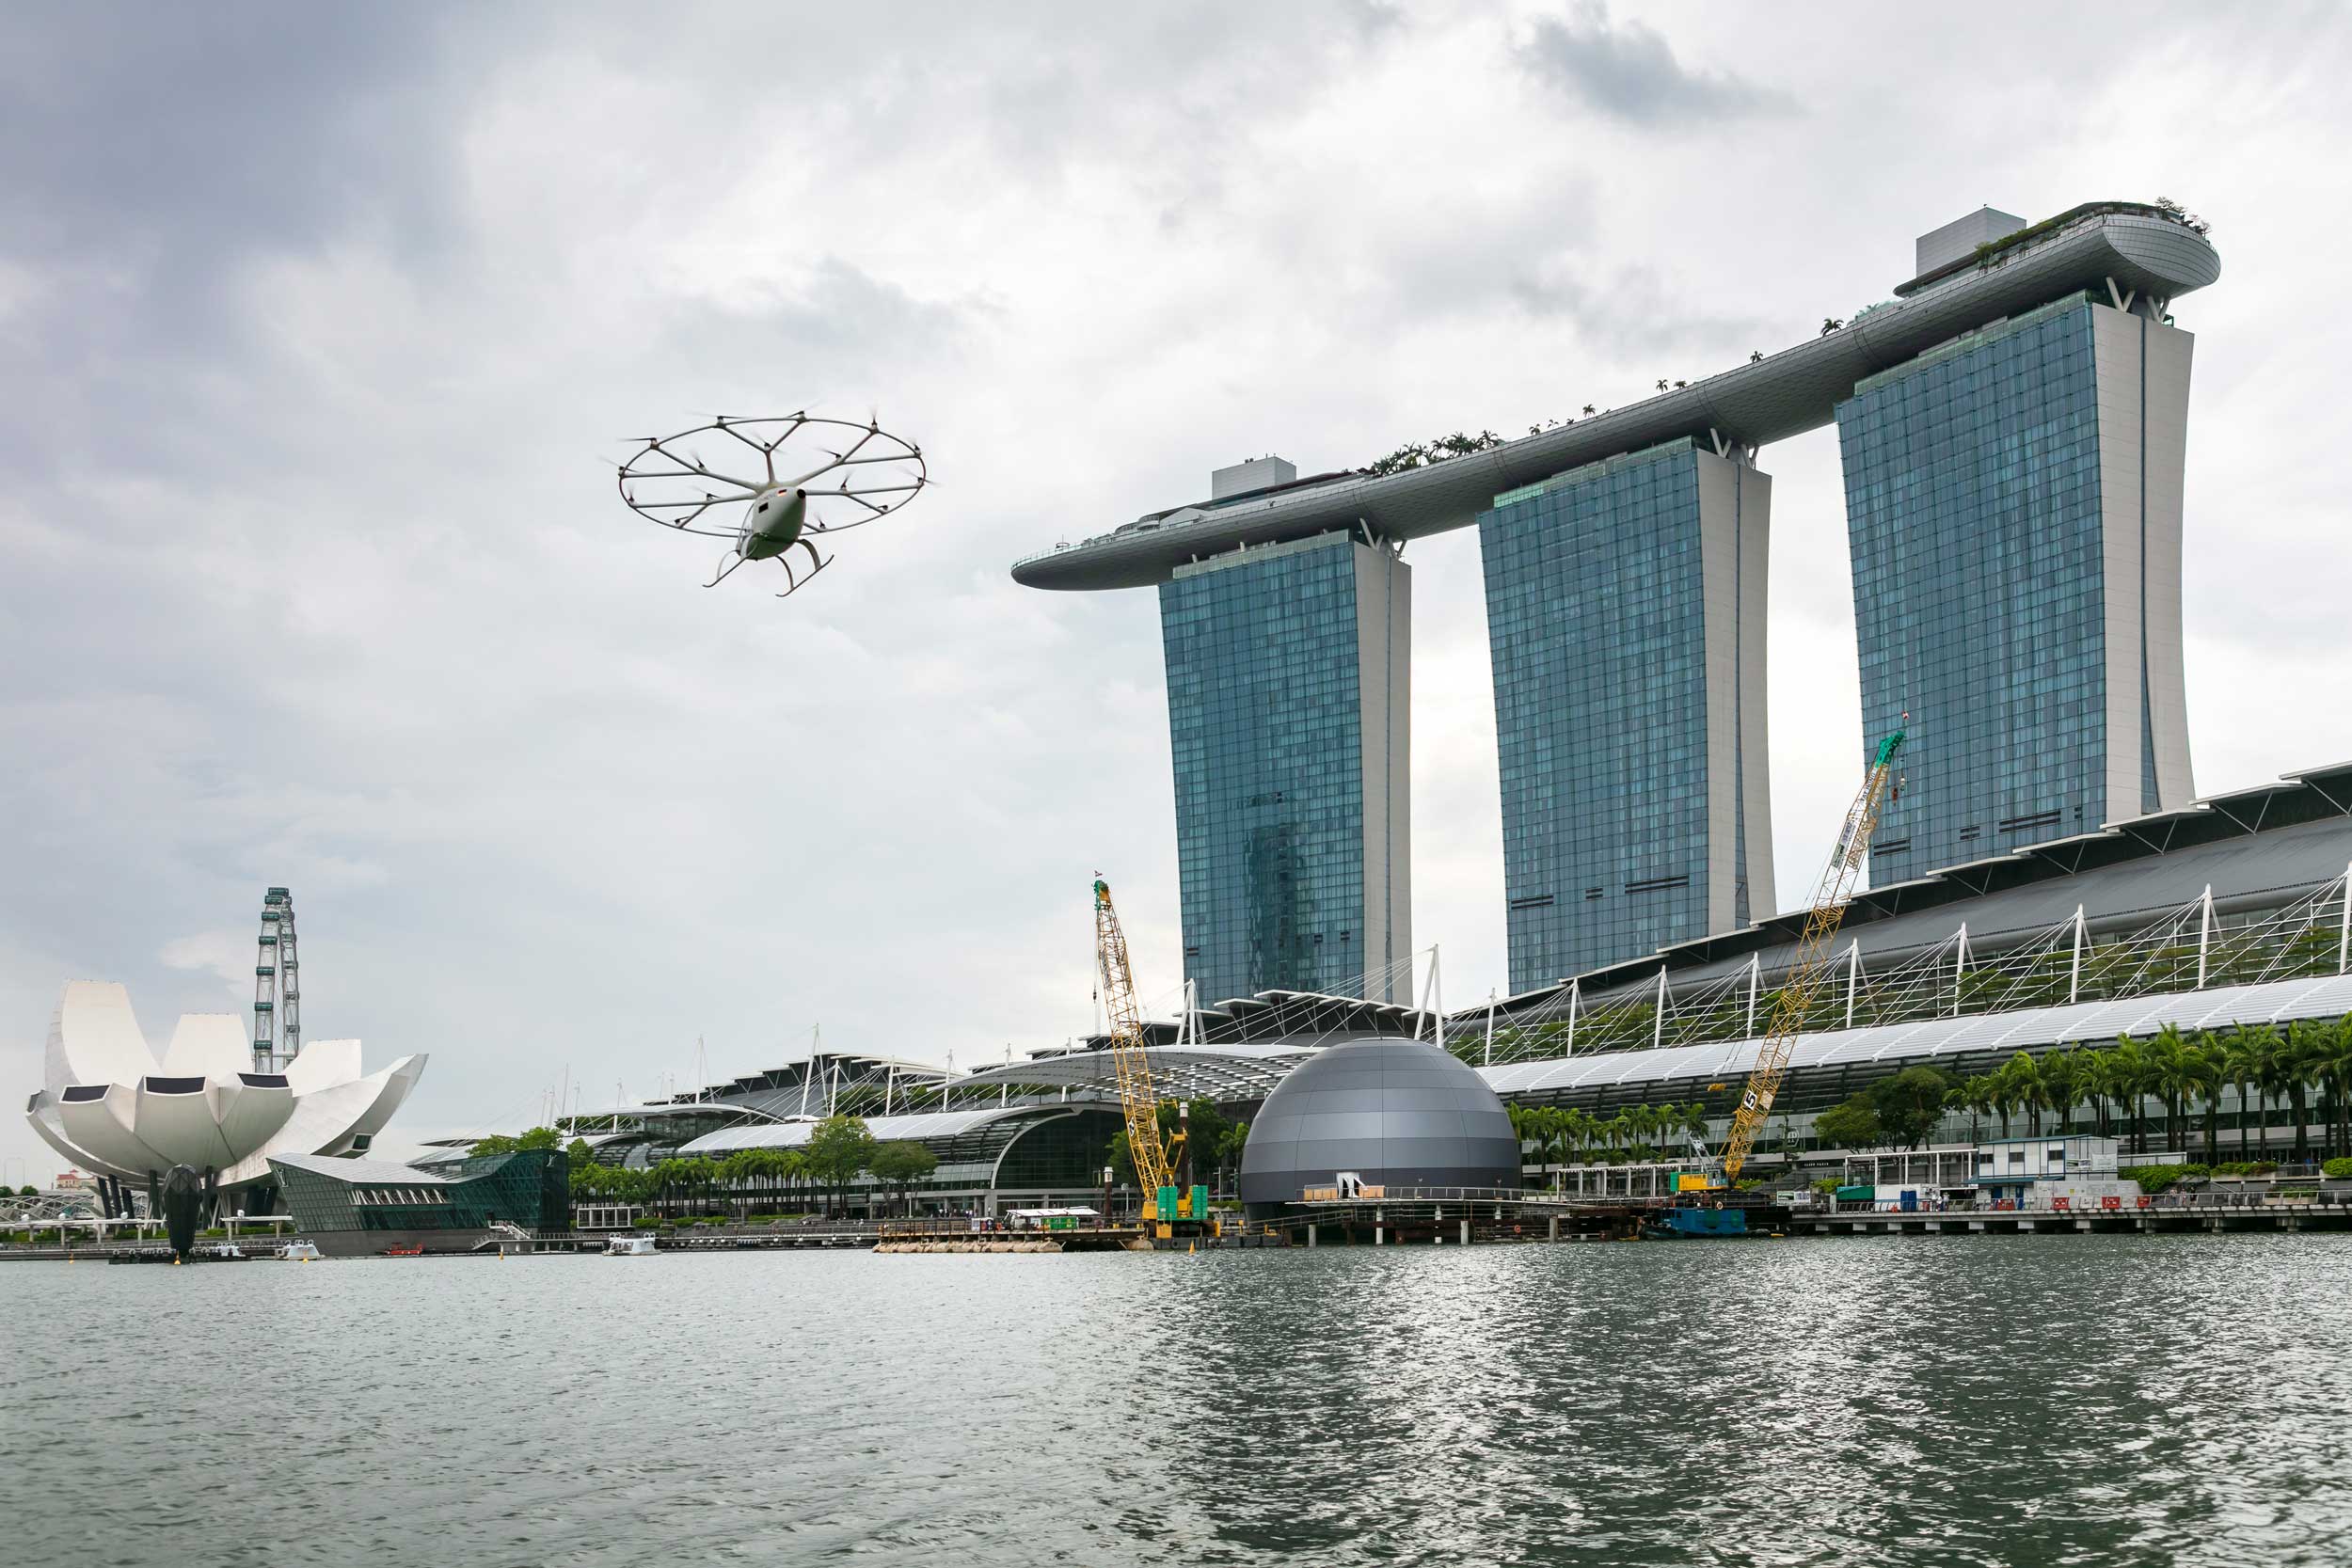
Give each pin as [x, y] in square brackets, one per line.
[1811, 964]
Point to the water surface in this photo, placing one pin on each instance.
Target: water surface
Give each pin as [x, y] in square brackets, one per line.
[1884, 1400]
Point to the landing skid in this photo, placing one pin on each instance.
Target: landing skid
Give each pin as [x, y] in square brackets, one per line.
[799, 580]
[726, 568]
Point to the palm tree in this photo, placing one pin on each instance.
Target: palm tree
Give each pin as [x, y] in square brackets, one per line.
[2174, 1071]
[2092, 1077]
[2001, 1095]
[2211, 1062]
[1662, 383]
[2308, 1044]
[2062, 1084]
[2269, 1056]
[1620, 1129]
[2025, 1079]
[1588, 409]
[2128, 1074]
[2173, 1076]
[2337, 1074]
[2240, 1065]
[1979, 1094]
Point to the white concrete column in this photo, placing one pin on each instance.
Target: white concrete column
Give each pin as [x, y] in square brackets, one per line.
[1959, 966]
[2074, 977]
[2343, 931]
[2205, 933]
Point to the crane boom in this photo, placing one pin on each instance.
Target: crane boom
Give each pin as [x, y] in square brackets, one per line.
[1811, 965]
[1154, 1161]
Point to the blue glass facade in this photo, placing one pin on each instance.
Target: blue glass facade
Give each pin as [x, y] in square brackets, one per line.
[1625, 617]
[1286, 705]
[1990, 600]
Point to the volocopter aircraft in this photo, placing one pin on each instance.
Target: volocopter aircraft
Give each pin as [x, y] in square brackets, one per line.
[875, 473]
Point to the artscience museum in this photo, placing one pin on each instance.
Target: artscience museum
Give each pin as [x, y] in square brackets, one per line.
[111, 1106]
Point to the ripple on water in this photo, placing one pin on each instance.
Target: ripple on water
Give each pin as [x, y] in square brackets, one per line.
[1895, 1400]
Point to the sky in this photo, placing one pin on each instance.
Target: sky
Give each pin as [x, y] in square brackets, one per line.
[321, 327]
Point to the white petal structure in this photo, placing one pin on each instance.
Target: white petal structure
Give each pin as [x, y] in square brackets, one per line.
[110, 1107]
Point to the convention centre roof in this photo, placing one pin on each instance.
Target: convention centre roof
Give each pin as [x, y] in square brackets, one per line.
[2263, 845]
[1186, 1072]
[925, 1125]
[2001, 1033]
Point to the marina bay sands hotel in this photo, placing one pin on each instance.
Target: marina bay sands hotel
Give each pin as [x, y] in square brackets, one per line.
[2012, 425]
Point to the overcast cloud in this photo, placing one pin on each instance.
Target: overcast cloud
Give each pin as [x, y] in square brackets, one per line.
[319, 325]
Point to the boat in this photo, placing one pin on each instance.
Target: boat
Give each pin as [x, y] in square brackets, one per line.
[1683, 1224]
[628, 1246]
[415, 1249]
[299, 1252]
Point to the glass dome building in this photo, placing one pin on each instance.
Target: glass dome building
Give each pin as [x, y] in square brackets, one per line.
[1398, 1114]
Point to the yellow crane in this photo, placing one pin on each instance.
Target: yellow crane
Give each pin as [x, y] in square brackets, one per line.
[1156, 1158]
[1811, 965]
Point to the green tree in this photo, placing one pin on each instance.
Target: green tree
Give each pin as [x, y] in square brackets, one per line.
[1205, 1127]
[2307, 1050]
[1231, 1145]
[2267, 1055]
[2029, 1092]
[837, 1148]
[2174, 1056]
[1978, 1094]
[2336, 1074]
[2062, 1083]
[899, 1165]
[1909, 1104]
[1852, 1125]
[2239, 1068]
[2210, 1061]
[2129, 1072]
[500, 1143]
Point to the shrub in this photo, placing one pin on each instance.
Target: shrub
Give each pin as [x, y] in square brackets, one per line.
[2297, 1195]
[1825, 1183]
[2157, 1178]
[2337, 1169]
